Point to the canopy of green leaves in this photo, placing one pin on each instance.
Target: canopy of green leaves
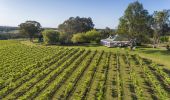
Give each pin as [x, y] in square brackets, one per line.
[50, 36]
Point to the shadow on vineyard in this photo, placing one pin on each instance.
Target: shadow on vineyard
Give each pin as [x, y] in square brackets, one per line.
[162, 52]
[166, 71]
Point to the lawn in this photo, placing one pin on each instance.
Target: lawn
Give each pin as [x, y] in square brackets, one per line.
[161, 56]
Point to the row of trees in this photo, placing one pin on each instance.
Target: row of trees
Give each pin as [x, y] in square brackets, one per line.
[138, 24]
[53, 37]
[73, 30]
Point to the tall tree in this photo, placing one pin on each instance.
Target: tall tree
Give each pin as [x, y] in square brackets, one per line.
[135, 22]
[160, 25]
[30, 28]
[76, 25]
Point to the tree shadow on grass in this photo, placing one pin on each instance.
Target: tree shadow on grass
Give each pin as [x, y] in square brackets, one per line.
[147, 51]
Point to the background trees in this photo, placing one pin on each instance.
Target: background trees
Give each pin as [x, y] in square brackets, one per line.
[30, 28]
[76, 25]
[138, 24]
[105, 33]
[72, 26]
[135, 23]
[50, 36]
[160, 25]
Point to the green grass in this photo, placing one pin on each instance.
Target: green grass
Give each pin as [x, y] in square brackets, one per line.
[161, 56]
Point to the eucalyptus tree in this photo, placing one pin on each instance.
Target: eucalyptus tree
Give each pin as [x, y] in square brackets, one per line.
[135, 23]
[160, 25]
[30, 28]
[72, 26]
[76, 25]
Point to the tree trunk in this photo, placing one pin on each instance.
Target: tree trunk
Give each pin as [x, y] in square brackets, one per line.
[156, 38]
[31, 39]
[156, 42]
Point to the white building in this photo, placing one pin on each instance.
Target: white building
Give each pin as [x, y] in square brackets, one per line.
[116, 41]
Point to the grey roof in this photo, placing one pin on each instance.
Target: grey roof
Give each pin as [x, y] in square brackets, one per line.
[115, 38]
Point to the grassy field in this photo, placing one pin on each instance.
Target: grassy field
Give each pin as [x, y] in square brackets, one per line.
[32, 71]
[161, 56]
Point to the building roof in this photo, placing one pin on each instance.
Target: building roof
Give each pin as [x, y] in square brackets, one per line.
[115, 38]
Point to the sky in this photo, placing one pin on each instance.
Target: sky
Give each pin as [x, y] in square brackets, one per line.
[51, 13]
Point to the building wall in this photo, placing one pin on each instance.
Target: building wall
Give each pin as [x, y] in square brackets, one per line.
[115, 43]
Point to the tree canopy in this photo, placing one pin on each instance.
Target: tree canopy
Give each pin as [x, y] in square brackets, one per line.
[160, 25]
[135, 23]
[76, 25]
[30, 28]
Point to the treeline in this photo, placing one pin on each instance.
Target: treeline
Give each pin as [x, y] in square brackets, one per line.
[7, 32]
[7, 29]
[138, 24]
[73, 30]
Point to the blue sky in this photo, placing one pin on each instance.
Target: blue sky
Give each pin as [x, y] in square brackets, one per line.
[50, 13]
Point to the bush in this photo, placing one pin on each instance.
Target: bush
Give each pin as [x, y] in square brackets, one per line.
[79, 38]
[164, 39]
[50, 36]
[93, 36]
[168, 47]
[65, 38]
